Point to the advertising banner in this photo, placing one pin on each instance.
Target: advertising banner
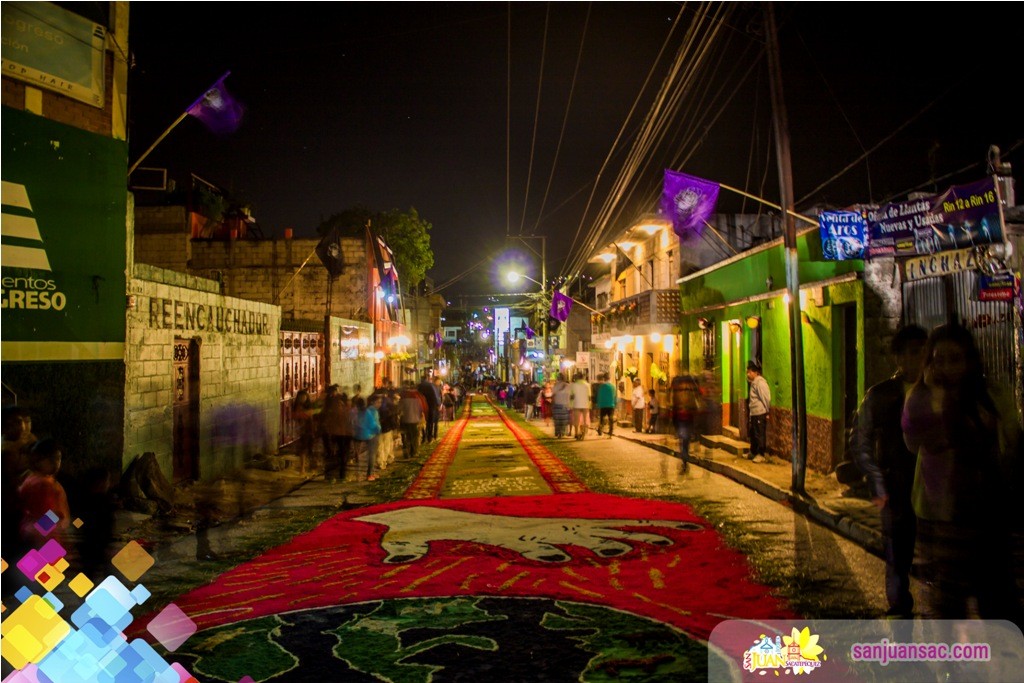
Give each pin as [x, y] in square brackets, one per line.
[842, 235]
[52, 48]
[961, 217]
[64, 235]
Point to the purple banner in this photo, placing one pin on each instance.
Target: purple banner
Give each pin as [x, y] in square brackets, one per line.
[221, 112]
[962, 216]
[688, 202]
[560, 306]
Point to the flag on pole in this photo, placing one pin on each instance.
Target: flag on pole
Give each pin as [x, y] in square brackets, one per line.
[622, 262]
[218, 109]
[560, 306]
[688, 202]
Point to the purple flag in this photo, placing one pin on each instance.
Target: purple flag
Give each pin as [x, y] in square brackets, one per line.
[688, 201]
[221, 112]
[560, 305]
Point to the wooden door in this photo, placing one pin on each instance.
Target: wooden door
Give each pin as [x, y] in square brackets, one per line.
[185, 437]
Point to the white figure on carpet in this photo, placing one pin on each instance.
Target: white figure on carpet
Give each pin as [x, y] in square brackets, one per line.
[411, 529]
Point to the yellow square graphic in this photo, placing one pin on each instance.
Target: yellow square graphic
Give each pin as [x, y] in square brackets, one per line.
[78, 523]
[61, 565]
[3, 565]
[30, 632]
[132, 561]
[81, 585]
[49, 577]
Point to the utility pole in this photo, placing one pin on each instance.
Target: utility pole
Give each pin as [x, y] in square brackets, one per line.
[543, 286]
[799, 452]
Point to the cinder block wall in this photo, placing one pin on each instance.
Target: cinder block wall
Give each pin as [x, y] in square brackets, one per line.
[263, 270]
[239, 370]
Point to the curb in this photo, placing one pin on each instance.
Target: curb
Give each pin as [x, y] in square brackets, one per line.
[870, 539]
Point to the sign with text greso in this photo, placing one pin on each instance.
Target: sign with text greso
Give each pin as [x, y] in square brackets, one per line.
[963, 216]
[64, 233]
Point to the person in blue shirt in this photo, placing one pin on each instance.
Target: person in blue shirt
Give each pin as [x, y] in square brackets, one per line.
[368, 432]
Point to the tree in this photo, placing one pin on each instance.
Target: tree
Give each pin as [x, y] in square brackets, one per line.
[406, 233]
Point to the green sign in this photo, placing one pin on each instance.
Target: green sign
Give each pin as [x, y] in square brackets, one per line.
[50, 47]
[64, 233]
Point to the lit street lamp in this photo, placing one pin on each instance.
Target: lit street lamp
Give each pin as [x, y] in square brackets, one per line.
[513, 276]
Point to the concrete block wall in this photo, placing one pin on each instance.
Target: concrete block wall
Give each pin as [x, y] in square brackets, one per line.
[239, 370]
[164, 250]
[265, 270]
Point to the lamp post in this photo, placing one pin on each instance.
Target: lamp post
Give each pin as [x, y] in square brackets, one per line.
[513, 276]
[543, 276]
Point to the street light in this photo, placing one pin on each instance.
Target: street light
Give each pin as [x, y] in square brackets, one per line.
[513, 277]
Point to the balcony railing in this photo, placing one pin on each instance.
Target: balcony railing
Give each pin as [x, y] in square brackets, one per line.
[655, 310]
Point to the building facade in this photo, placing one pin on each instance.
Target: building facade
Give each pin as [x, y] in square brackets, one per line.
[64, 169]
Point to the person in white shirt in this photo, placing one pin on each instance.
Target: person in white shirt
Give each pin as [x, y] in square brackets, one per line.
[639, 403]
[579, 399]
[759, 405]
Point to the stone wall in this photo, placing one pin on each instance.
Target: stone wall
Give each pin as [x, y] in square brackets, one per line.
[883, 315]
[239, 370]
[820, 436]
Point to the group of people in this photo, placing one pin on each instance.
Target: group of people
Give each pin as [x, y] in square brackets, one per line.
[571, 405]
[940, 447]
[36, 506]
[375, 427]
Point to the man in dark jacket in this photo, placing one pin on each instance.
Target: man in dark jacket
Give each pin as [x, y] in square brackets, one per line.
[877, 447]
[426, 387]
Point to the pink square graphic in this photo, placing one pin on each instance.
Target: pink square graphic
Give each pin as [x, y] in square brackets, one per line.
[172, 627]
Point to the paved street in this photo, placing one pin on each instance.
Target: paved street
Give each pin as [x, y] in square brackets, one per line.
[495, 513]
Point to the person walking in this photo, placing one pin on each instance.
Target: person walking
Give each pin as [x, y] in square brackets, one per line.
[579, 399]
[305, 427]
[966, 487]
[412, 409]
[759, 405]
[653, 412]
[547, 395]
[561, 399]
[368, 432]
[639, 402]
[607, 400]
[685, 408]
[335, 420]
[426, 387]
[877, 448]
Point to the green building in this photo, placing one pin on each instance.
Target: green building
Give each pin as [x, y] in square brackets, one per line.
[737, 310]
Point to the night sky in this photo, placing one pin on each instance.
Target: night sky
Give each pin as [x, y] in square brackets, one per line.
[400, 105]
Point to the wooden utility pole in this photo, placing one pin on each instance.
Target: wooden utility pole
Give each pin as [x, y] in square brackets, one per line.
[796, 346]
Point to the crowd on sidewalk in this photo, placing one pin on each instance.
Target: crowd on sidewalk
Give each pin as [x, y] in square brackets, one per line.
[387, 425]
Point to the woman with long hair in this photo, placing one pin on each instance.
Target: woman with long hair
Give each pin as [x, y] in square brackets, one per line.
[965, 433]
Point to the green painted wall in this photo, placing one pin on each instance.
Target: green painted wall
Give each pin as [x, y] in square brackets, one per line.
[745, 278]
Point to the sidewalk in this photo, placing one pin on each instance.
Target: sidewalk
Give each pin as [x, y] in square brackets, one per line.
[854, 517]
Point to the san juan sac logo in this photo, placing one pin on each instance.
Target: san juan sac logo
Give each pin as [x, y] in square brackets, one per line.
[797, 653]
